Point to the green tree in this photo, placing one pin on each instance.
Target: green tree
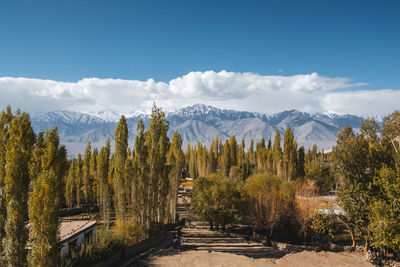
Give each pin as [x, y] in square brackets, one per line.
[86, 178]
[70, 186]
[78, 180]
[5, 119]
[289, 155]
[277, 154]
[103, 165]
[176, 161]
[121, 146]
[142, 183]
[357, 162]
[43, 218]
[227, 158]
[18, 154]
[158, 142]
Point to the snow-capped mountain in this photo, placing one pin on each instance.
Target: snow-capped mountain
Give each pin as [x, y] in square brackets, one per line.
[198, 123]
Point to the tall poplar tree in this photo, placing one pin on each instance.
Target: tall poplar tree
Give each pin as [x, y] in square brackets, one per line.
[5, 119]
[120, 155]
[277, 154]
[176, 161]
[103, 165]
[86, 177]
[44, 202]
[142, 182]
[78, 180]
[226, 158]
[289, 154]
[18, 154]
[158, 142]
[43, 219]
[70, 186]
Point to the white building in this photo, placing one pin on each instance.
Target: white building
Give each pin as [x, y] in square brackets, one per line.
[73, 233]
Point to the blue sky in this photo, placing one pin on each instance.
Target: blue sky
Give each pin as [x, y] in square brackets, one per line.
[67, 41]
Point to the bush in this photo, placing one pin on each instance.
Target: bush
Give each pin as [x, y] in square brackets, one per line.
[324, 225]
[271, 203]
[101, 245]
[128, 232]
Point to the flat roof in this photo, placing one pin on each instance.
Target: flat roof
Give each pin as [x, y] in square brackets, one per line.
[70, 228]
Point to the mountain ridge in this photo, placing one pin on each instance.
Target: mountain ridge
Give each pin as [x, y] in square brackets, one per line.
[199, 123]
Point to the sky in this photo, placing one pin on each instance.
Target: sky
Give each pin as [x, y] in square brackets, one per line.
[265, 56]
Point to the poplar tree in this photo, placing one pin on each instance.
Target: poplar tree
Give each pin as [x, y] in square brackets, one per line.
[43, 219]
[78, 180]
[120, 155]
[44, 202]
[35, 165]
[103, 164]
[142, 182]
[233, 147]
[158, 142]
[86, 172]
[18, 154]
[277, 154]
[70, 186]
[300, 163]
[289, 154]
[5, 119]
[176, 161]
[227, 158]
[54, 158]
[93, 187]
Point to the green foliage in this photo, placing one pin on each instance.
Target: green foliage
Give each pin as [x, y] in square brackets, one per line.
[121, 146]
[43, 219]
[103, 166]
[102, 245]
[176, 161]
[385, 217]
[128, 231]
[216, 199]
[18, 154]
[324, 225]
[70, 188]
[289, 155]
[271, 202]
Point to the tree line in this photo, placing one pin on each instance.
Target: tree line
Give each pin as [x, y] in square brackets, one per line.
[31, 172]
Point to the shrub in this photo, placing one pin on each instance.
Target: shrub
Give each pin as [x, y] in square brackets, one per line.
[128, 232]
[101, 245]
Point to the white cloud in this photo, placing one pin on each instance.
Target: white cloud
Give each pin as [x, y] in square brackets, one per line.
[244, 91]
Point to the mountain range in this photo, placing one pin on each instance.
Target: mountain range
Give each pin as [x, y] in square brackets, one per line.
[198, 123]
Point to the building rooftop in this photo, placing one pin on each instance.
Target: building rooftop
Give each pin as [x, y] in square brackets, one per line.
[71, 227]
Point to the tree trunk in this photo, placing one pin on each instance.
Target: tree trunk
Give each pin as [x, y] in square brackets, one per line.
[366, 246]
[211, 225]
[353, 239]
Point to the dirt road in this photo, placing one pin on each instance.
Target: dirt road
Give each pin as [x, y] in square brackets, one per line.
[202, 247]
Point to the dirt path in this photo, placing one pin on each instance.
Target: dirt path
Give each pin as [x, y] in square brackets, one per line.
[202, 247]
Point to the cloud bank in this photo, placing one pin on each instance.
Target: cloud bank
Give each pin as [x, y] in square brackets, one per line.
[232, 90]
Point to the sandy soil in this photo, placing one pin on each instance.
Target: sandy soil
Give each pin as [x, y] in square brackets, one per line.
[201, 247]
[302, 259]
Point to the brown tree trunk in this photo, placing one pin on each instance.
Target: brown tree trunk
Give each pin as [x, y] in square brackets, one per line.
[353, 239]
[366, 246]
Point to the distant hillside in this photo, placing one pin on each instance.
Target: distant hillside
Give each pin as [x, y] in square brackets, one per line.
[200, 123]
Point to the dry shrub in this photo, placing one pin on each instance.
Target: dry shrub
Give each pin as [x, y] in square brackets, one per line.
[129, 231]
[306, 207]
[269, 209]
